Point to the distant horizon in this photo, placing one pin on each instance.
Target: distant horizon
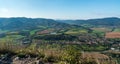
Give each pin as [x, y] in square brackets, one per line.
[61, 19]
[60, 9]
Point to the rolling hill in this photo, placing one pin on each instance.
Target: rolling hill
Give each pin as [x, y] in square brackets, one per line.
[22, 23]
[102, 22]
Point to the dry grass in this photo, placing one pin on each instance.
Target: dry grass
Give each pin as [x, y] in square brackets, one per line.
[54, 54]
[97, 58]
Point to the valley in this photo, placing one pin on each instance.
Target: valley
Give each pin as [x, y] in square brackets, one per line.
[60, 41]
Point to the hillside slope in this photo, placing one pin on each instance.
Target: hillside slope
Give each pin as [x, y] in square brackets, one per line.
[102, 22]
[22, 23]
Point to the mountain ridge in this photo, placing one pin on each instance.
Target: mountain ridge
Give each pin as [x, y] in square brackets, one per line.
[21, 23]
[100, 22]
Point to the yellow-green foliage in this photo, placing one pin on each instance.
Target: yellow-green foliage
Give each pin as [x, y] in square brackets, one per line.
[47, 53]
[71, 55]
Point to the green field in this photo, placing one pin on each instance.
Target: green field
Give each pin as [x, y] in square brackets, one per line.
[11, 37]
[116, 30]
[102, 29]
[3, 31]
[34, 31]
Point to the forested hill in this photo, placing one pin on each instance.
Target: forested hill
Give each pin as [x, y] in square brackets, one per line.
[102, 22]
[22, 23]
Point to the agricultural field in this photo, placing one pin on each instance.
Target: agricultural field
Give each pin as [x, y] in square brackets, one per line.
[102, 29]
[32, 32]
[11, 38]
[112, 35]
[46, 31]
[3, 31]
[116, 30]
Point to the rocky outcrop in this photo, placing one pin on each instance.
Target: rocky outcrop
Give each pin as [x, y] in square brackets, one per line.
[18, 60]
[8, 59]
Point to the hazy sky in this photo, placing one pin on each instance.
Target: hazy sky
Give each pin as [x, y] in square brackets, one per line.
[60, 9]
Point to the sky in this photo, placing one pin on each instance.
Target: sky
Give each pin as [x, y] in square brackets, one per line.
[60, 9]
